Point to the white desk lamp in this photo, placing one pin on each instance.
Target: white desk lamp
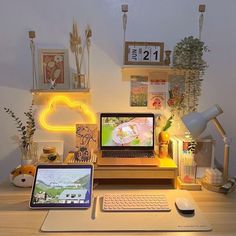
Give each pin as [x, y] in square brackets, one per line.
[196, 123]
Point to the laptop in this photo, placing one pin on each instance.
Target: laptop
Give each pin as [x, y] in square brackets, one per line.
[62, 186]
[127, 139]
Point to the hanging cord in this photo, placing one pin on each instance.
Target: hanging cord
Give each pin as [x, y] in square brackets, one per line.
[124, 25]
[32, 48]
[124, 9]
[201, 9]
[201, 18]
[88, 34]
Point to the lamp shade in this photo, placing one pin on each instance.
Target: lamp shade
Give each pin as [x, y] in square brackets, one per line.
[196, 122]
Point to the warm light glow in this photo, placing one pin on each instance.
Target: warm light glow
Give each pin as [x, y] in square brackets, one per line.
[50, 108]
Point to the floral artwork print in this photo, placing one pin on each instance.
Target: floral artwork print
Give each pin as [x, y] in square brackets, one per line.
[53, 69]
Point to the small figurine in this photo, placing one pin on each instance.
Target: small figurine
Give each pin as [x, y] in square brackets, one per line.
[167, 57]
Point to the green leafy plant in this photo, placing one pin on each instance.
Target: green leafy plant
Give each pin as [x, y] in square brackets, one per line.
[26, 130]
[188, 56]
[168, 123]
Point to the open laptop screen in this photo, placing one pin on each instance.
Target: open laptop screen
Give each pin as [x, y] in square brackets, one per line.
[128, 131]
[58, 186]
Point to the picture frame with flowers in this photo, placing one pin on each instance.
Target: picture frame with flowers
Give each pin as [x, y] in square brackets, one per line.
[54, 69]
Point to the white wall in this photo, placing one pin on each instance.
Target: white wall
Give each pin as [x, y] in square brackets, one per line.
[149, 20]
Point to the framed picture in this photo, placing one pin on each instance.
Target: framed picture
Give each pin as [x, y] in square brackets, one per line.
[144, 53]
[57, 145]
[87, 136]
[204, 155]
[54, 69]
[86, 144]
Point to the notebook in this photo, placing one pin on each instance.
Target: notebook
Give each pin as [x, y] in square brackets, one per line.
[127, 139]
[62, 186]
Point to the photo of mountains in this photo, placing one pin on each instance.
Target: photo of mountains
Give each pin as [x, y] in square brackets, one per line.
[62, 186]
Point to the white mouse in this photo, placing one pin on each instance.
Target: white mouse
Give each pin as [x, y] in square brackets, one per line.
[184, 205]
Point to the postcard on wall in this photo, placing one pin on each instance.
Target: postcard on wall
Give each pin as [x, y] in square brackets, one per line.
[87, 136]
[157, 101]
[176, 90]
[157, 90]
[138, 91]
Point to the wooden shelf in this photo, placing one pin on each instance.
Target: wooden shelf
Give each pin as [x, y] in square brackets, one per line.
[146, 67]
[41, 96]
[132, 70]
[38, 91]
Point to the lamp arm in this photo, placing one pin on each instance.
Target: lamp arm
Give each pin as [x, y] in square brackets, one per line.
[226, 148]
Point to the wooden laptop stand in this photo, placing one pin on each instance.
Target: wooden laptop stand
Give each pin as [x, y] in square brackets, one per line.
[167, 170]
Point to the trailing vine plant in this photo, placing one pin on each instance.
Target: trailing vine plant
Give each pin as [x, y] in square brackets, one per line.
[188, 56]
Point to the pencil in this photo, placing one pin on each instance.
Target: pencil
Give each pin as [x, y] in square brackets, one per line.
[95, 207]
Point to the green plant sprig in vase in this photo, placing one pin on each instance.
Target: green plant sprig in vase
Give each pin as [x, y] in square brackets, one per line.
[26, 132]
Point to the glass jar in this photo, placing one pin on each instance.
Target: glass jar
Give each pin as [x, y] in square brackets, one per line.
[49, 155]
[188, 169]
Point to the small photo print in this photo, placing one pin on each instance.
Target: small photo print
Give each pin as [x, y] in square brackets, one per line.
[176, 91]
[157, 101]
[157, 91]
[138, 91]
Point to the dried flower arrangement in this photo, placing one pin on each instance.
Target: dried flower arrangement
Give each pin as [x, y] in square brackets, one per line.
[78, 48]
[26, 131]
[188, 56]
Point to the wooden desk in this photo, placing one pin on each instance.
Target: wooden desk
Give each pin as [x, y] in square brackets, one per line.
[17, 219]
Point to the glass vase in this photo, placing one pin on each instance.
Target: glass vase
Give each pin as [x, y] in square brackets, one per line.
[28, 155]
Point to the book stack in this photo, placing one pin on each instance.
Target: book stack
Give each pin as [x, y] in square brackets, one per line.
[180, 147]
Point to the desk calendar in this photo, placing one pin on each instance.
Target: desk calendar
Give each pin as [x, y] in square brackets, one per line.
[143, 53]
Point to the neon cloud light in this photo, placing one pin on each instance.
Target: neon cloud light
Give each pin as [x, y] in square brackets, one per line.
[50, 108]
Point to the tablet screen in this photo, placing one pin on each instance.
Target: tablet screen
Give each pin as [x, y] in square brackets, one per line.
[58, 186]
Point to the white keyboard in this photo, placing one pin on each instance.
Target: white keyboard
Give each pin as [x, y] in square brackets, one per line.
[135, 202]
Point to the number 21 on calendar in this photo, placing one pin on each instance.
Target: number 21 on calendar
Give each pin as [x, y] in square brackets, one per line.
[142, 53]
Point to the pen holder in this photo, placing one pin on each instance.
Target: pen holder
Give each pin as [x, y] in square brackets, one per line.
[188, 170]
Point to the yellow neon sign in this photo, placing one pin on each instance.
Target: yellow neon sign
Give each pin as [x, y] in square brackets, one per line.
[71, 104]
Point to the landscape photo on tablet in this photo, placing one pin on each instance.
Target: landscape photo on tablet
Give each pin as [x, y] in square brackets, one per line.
[62, 186]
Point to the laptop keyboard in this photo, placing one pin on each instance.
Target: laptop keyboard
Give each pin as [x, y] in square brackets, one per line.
[135, 202]
[131, 154]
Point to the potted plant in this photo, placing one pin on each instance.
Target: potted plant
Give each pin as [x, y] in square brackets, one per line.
[188, 56]
[26, 132]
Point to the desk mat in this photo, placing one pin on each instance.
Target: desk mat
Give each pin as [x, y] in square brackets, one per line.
[83, 220]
